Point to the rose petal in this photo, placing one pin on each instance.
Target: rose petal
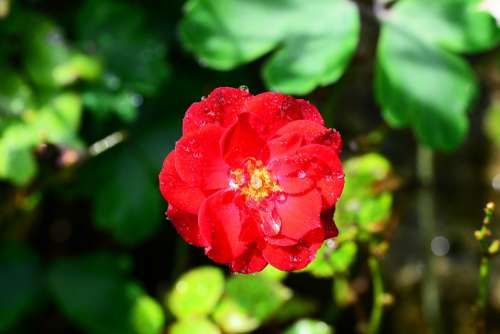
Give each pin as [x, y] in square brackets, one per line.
[249, 262]
[241, 142]
[275, 110]
[295, 257]
[186, 225]
[176, 191]
[330, 183]
[299, 214]
[198, 159]
[312, 133]
[220, 225]
[221, 107]
[328, 224]
[284, 145]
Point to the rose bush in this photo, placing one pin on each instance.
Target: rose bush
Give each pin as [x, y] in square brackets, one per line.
[254, 179]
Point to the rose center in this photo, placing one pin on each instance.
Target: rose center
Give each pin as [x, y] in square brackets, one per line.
[253, 181]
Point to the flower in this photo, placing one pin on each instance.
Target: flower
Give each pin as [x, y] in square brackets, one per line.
[254, 180]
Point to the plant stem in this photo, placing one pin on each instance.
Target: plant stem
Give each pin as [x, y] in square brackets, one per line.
[484, 281]
[378, 295]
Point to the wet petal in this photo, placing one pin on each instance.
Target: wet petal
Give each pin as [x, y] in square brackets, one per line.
[294, 257]
[198, 159]
[221, 107]
[241, 141]
[186, 225]
[249, 262]
[311, 133]
[176, 191]
[328, 224]
[330, 182]
[221, 225]
[300, 214]
[276, 110]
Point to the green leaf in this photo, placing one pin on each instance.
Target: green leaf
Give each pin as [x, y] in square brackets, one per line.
[128, 203]
[364, 207]
[94, 292]
[20, 283]
[119, 34]
[314, 39]
[17, 163]
[15, 94]
[420, 80]
[249, 301]
[332, 261]
[194, 326]
[104, 103]
[492, 123]
[342, 291]
[309, 326]
[196, 293]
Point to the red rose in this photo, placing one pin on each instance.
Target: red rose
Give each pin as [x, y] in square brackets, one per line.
[254, 180]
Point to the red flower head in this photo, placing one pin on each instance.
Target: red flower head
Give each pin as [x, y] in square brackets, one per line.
[254, 180]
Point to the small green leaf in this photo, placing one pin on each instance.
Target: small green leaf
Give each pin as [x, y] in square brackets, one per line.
[420, 81]
[492, 123]
[15, 94]
[309, 326]
[249, 301]
[363, 208]
[194, 326]
[342, 292]
[315, 40]
[196, 293]
[94, 292]
[330, 261]
[20, 283]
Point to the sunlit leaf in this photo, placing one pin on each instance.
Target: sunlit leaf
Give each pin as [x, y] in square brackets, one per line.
[94, 292]
[309, 326]
[194, 326]
[315, 40]
[15, 94]
[492, 123]
[420, 80]
[196, 293]
[20, 283]
[331, 261]
[249, 301]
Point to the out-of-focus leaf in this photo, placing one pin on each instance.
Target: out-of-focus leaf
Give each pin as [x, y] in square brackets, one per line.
[343, 294]
[50, 61]
[20, 283]
[365, 205]
[117, 32]
[4, 8]
[315, 39]
[94, 292]
[492, 123]
[196, 293]
[296, 308]
[17, 163]
[194, 326]
[15, 94]
[332, 261]
[419, 40]
[127, 203]
[104, 103]
[273, 273]
[249, 301]
[58, 120]
[309, 326]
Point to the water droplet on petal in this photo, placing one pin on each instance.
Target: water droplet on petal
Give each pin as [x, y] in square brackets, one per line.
[282, 197]
[203, 97]
[244, 88]
[270, 222]
[197, 155]
[301, 174]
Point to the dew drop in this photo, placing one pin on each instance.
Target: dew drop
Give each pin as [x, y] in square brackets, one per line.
[282, 197]
[244, 88]
[270, 222]
[197, 155]
[203, 97]
[301, 174]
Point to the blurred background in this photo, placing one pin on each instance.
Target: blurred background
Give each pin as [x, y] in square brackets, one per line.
[92, 95]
